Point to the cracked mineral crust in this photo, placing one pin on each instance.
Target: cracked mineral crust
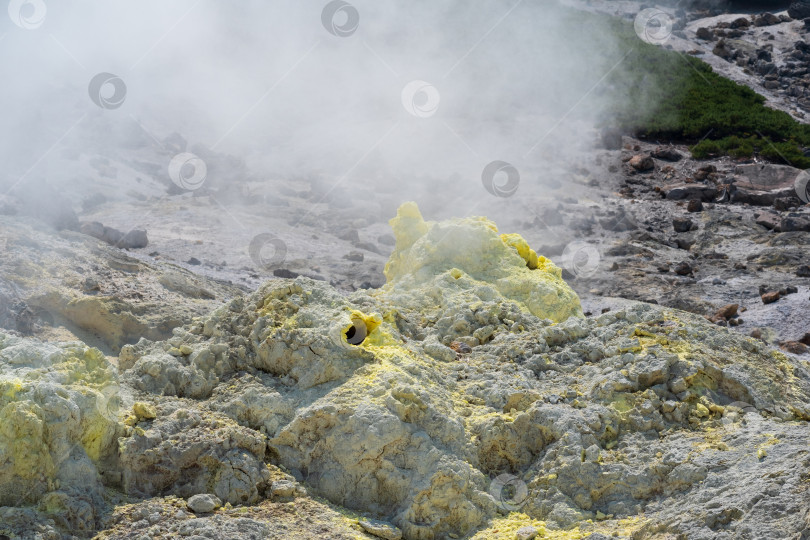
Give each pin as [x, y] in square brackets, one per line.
[644, 422]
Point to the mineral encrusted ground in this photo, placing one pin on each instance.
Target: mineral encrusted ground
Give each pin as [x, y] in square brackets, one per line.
[643, 422]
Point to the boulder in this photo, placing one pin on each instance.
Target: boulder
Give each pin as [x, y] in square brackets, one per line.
[701, 192]
[766, 19]
[770, 297]
[132, 239]
[740, 22]
[799, 10]
[795, 223]
[381, 529]
[682, 224]
[203, 503]
[642, 163]
[666, 153]
[705, 34]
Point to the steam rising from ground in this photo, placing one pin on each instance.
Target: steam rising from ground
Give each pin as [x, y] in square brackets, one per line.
[510, 80]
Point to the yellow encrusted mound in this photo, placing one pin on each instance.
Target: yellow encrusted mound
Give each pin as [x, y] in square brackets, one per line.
[58, 411]
[473, 246]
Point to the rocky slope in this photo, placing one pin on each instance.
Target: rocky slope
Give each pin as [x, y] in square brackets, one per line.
[468, 397]
[147, 392]
[69, 285]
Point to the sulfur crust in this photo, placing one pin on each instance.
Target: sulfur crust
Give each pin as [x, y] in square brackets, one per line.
[504, 528]
[473, 247]
[404, 398]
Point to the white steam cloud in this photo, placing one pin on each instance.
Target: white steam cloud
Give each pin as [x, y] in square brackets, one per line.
[419, 95]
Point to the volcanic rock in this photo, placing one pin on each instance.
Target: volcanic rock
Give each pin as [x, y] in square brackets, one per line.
[740, 22]
[799, 10]
[769, 220]
[667, 153]
[682, 224]
[798, 223]
[203, 503]
[727, 312]
[770, 297]
[621, 413]
[642, 163]
[700, 192]
[683, 268]
[694, 205]
[133, 239]
[794, 347]
[381, 529]
[766, 19]
[705, 33]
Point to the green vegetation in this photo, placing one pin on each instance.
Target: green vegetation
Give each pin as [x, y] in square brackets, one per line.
[677, 97]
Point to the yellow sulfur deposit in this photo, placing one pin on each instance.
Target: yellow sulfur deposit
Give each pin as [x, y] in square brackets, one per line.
[144, 411]
[468, 386]
[473, 247]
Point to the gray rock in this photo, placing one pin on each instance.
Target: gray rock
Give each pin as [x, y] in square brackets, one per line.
[381, 529]
[355, 256]
[680, 192]
[626, 412]
[666, 153]
[130, 240]
[282, 488]
[705, 34]
[799, 223]
[682, 224]
[203, 503]
[799, 10]
[526, 533]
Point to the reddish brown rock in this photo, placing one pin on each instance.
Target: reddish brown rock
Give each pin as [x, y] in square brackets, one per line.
[728, 311]
[642, 163]
[694, 206]
[770, 297]
[794, 347]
